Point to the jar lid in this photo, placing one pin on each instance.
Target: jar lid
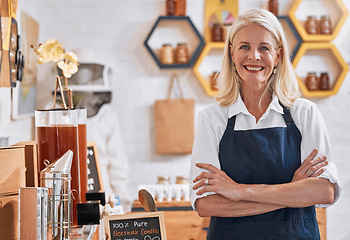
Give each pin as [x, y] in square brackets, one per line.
[325, 17]
[181, 178]
[182, 44]
[166, 44]
[163, 179]
[311, 16]
[311, 73]
[324, 73]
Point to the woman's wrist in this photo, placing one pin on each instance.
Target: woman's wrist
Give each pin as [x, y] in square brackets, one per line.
[244, 192]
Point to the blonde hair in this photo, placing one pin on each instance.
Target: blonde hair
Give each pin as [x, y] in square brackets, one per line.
[283, 83]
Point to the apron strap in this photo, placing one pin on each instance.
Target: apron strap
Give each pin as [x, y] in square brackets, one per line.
[231, 123]
[286, 116]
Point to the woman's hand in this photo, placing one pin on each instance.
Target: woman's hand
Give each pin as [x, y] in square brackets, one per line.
[217, 181]
[310, 167]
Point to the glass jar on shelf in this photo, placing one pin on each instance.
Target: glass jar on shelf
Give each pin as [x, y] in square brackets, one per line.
[324, 81]
[181, 53]
[217, 33]
[311, 25]
[273, 7]
[167, 54]
[180, 7]
[312, 82]
[170, 7]
[325, 25]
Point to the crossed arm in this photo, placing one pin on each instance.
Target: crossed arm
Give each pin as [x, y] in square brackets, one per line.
[236, 200]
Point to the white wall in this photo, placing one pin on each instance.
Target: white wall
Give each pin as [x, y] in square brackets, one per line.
[115, 30]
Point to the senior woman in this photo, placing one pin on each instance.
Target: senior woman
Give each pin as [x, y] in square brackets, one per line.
[261, 157]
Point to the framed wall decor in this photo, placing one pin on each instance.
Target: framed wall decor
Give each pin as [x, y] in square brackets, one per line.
[24, 94]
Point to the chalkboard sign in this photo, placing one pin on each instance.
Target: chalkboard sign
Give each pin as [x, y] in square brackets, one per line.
[95, 183]
[136, 226]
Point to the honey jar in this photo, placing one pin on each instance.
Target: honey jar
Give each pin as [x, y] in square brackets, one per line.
[312, 82]
[170, 7]
[324, 81]
[325, 25]
[217, 33]
[180, 7]
[167, 54]
[273, 7]
[181, 53]
[311, 25]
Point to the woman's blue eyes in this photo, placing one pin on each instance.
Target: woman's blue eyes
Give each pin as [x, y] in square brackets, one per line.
[262, 48]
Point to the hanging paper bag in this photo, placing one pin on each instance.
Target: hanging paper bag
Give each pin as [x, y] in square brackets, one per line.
[174, 123]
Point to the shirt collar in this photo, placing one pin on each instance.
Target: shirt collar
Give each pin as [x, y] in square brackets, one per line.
[239, 107]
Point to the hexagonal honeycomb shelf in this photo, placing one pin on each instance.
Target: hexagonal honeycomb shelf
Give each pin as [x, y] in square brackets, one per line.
[335, 8]
[164, 30]
[329, 57]
[293, 38]
[204, 67]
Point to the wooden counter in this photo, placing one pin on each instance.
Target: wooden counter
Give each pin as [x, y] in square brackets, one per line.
[181, 222]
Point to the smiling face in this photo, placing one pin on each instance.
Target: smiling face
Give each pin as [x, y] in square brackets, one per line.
[254, 55]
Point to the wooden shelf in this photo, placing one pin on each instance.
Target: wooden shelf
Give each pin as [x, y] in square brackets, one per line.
[323, 50]
[202, 77]
[336, 9]
[186, 30]
[218, 9]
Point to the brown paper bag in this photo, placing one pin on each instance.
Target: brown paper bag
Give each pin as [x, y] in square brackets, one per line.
[174, 123]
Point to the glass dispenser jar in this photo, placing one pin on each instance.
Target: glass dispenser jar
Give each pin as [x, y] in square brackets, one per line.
[56, 133]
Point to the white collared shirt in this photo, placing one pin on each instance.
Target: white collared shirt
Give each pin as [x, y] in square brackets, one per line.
[212, 121]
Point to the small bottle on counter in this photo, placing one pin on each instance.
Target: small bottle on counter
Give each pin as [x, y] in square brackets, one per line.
[325, 25]
[312, 82]
[180, 7]
[170, 7]
[273, 7]
[217, 33]
[324, 81]
[311, 25]
[181, 53]
[167, 54]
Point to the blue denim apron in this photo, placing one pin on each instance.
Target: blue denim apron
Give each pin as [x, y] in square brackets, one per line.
[263, 156]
